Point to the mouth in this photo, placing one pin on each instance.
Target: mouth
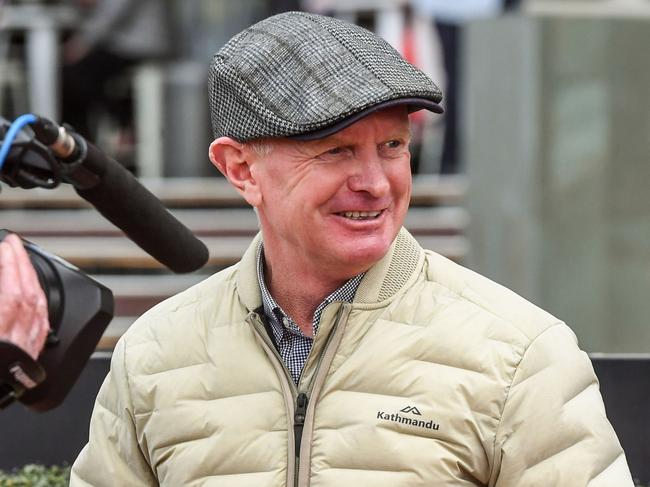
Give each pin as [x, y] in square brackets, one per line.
[361, 215]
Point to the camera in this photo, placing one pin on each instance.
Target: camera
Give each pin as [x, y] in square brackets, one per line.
[37, 152]
[79, 310]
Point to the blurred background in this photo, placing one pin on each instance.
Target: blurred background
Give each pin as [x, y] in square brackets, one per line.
[537, 176]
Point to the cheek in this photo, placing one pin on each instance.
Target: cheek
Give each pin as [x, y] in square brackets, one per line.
[323, 185]
[401, 181]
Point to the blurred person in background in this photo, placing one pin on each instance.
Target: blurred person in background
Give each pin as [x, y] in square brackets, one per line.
[23, 306]
[114, 36]
[338, 351]
[448, 17]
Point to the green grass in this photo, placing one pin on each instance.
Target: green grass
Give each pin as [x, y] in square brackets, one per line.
[36, 476]
[56, 476]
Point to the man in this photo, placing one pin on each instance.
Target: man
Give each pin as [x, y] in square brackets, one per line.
[338, 352]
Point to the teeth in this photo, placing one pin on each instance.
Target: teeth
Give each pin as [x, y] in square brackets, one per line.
[360, 215]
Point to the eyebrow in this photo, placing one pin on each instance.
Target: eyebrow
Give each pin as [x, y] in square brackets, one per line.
[336, 139]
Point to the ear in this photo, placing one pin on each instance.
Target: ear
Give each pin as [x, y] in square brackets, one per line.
[233, 160]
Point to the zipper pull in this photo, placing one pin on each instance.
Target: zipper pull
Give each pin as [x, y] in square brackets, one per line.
[299, 419]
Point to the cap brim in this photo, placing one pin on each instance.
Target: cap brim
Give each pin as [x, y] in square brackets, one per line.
[414, 104]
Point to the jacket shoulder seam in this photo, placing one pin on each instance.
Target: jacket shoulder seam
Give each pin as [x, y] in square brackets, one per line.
[460, 294]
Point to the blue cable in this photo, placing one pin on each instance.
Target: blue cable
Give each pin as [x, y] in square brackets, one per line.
[15, 127]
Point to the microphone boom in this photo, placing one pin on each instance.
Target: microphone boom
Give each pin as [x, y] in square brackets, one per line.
[126, 203]
[121, 199]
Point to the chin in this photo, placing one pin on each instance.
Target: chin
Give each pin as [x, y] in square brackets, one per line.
[362, 253]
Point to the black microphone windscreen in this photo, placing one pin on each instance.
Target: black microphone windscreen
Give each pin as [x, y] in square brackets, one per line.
[130, 206]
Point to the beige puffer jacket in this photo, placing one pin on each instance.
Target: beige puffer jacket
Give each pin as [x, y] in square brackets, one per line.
[434, 376]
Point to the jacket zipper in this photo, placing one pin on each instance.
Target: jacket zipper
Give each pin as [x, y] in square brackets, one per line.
[301, 406]
[301, 397]
[299, 421]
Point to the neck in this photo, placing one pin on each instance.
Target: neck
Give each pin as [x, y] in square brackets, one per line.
[297, 291]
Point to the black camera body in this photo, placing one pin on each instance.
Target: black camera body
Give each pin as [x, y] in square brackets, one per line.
[79, 310]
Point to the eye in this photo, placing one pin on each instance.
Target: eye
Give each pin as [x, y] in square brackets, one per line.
[393, 144]
[334, 151]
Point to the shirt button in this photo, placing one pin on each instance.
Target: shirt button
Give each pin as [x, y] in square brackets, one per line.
[285, 321]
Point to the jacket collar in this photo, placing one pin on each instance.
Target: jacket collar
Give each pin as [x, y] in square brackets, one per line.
[381, 281]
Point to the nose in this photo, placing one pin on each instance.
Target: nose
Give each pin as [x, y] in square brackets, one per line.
[369, 176]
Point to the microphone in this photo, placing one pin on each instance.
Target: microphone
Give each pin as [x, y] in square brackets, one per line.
[122, 200]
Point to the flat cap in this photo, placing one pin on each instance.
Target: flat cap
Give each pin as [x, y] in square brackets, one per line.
[307, 76]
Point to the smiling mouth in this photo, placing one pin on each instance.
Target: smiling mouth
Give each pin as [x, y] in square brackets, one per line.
[360, 215]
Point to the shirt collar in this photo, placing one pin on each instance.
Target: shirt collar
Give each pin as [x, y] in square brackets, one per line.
[279, 320]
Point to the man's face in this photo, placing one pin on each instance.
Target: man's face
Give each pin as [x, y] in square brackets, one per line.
[335, 205]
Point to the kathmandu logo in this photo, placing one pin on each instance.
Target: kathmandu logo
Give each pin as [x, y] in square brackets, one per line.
[397, 418]
[411, 409]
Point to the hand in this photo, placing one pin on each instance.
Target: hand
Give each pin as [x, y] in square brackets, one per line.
[23, 306]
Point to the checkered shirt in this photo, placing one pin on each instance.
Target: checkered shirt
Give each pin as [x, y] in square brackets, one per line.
[293, 346]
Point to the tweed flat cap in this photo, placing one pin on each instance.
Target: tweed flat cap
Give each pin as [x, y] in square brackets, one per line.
[306, 76]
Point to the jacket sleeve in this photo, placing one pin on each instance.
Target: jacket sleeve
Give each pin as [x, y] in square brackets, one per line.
[113, 455]
[553, 429]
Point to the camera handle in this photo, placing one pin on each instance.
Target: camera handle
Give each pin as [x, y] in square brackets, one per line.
[18, 373]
